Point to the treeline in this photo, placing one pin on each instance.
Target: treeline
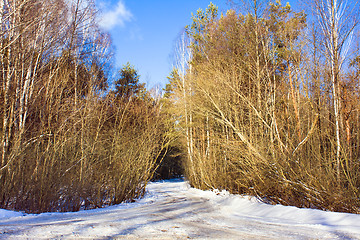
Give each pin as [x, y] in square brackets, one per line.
[67, 141]
[268, 103]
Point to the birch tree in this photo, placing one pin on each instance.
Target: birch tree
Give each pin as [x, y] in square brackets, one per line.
[182, 67]
[337, 20]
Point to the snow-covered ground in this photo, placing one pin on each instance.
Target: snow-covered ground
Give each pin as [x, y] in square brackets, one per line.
[173, 210]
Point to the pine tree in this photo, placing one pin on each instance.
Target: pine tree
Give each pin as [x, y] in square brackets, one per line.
[128, 86]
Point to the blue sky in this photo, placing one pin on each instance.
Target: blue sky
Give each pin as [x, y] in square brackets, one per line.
[144, 32]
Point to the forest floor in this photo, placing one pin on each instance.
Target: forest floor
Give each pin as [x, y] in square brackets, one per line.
[173, 210]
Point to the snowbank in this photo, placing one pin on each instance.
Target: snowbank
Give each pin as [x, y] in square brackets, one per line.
[5, 214]
[252, 209]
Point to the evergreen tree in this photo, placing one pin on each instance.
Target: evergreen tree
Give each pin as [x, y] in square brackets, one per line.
[128, 85]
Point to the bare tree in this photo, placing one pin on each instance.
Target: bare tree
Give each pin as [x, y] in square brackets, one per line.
[182, 66]
[337, 20]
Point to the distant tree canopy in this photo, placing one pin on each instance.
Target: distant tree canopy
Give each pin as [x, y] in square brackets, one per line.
[128, 85]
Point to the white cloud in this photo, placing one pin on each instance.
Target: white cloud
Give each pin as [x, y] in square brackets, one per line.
[115, 17]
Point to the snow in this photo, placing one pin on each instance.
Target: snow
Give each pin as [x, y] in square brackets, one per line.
[173, 210]
[4, 214]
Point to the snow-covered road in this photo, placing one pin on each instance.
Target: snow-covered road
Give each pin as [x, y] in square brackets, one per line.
[173, 210]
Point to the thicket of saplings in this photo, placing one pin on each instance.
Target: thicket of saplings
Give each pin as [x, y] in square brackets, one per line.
[67, 142]
[269, 105]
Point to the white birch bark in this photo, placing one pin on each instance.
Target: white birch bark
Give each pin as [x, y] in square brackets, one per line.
[337, 24]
